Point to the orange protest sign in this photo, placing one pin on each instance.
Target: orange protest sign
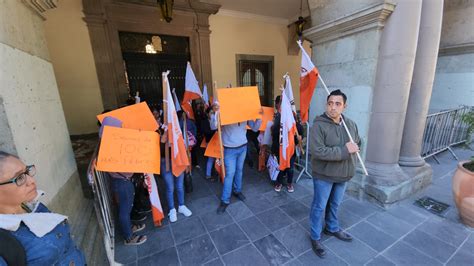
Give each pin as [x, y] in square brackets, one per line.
[129, 150]
[136, 116]
[213, 147]
[238, 104]
[203, 143]
[267, 116]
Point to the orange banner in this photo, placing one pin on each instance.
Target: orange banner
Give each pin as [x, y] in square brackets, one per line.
[238, 104]
[267, 116]
[136, 116]
[213, 147]
[129, 150]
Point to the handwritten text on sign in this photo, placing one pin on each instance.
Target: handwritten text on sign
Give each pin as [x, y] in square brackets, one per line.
[129, 150]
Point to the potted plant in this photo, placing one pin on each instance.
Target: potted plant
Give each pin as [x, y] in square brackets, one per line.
[463, 181]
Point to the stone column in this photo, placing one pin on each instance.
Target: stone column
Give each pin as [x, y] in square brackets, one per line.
[422, 83]
[389, 103]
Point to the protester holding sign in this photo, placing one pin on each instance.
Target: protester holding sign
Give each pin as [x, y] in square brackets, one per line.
[234, 140]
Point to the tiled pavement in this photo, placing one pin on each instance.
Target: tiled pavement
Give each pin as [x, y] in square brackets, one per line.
[272, 228]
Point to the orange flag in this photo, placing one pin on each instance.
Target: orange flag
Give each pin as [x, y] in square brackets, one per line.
[179, 158]
[188, 109]
[287, 132]
[156, 209]
[203, 143]
[191, 84]
[213, 147]
[308, 79]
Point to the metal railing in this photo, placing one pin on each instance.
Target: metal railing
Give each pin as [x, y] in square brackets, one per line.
[444, 130]
[100, 184]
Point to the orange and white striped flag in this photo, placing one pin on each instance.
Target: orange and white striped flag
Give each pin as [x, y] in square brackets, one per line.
[156, 209]
[287, 129]
[191, 86]
[308, 79]
[179, 158]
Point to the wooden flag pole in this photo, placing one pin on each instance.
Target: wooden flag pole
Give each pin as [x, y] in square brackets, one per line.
[219, 130]
[165, 118]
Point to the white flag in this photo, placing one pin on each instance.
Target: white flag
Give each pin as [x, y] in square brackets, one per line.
[289, 92]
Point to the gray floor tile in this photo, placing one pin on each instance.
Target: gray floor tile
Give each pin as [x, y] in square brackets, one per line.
[187, 229]
[165, 257]
[449, 232]
[273, 251]
[254, 228]
[380, 261]
[239, 211]
[372, 236]
[214, 262]
[408, 215]
[258, 204]
[229, 238]
[156, 241]
[296, 210]
[430, 245]
[390, 224]
[462, 257]
[355, 252]
[197, 251]
[306, 225]
[293, 262]
[294, 238]
[359, 208]
[307, 200]
[347, 219]
[203, 205]
[125, 254]
[309, 258]
[247, 255]
[302, 191]
[213, 221]
[403, 254]
[274, 219]
[278, 198]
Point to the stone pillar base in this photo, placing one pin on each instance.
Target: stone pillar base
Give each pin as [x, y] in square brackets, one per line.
[384, 193]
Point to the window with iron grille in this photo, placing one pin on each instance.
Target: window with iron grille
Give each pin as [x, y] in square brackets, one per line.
[256, 70]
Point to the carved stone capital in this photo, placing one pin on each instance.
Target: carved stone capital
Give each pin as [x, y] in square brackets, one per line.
[40, 6]
[372, 17]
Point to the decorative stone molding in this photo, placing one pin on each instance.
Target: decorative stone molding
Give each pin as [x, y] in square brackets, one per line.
[373, 17]
[41, 6]
[464, 48]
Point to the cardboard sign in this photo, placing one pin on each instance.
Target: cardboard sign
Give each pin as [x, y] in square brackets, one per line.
[129, 150]
[267, 116]
[213, 147]
[136, 116]
[238, 104]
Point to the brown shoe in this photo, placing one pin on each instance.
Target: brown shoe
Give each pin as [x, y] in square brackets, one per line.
[318, 248]
[341, 235]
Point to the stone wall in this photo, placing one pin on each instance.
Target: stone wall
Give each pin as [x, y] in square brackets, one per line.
[454, 79]
[32, 121]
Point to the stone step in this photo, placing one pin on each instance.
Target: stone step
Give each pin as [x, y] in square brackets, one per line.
[81, 221]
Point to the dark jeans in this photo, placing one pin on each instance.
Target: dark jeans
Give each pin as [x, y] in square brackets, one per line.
[288, 172]
[125, 191]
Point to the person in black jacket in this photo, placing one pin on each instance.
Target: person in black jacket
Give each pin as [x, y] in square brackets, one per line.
[276, 149]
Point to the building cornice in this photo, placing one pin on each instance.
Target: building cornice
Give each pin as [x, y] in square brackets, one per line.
[250, 16]
[372, 17]
[464, 48]
[40, 6]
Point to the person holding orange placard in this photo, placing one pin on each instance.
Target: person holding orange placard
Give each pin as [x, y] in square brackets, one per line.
[234, 140]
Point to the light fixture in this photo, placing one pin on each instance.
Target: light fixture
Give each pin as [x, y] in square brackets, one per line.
[166, 7]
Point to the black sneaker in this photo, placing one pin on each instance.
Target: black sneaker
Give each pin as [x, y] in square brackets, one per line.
[136, 217]
[239, 195]
[318, 248]
[222, 207]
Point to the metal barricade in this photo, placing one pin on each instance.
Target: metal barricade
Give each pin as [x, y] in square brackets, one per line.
[444, 130]
[100, 184]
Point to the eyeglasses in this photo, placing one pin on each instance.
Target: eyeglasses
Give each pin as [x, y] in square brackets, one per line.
[21, 179]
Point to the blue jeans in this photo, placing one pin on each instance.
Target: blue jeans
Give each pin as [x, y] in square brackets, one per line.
[171, 182]
[125, 191]
[209, 165]
[234, 159]
[330, 194]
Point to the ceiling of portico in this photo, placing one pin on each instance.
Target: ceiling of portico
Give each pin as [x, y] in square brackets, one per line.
[279, 9]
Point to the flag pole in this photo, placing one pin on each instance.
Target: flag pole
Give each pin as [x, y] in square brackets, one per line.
[347, 130]
[219, 130]
[185, 129]
[165, 117]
